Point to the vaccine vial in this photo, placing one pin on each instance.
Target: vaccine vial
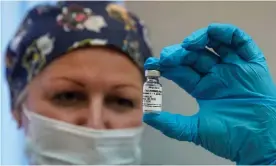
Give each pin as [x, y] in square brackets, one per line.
[152, 92]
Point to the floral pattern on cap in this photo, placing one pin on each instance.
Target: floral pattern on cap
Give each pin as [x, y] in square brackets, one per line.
[35, 56]
[119, 13]
[77, 18]
[87, 42]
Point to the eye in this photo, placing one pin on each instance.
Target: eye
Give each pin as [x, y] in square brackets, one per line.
[70, 98]
[120, 104]
[125, 102]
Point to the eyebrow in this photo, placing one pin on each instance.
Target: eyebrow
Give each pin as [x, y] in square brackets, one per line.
[68, 79]
[119, 86]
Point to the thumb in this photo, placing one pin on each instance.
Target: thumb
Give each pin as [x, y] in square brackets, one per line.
[176, 126]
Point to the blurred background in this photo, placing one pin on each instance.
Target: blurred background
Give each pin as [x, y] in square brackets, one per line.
[12, 13]
[168, 23]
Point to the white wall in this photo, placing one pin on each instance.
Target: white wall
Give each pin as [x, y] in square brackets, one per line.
[169, 23]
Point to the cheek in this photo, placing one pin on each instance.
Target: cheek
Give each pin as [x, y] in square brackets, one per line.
[45, 108]
[124, 120]
[37, 102]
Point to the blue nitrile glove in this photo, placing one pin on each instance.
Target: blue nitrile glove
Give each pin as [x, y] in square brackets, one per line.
[235, 93]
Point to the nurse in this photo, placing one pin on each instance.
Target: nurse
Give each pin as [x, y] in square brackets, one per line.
[75, 73]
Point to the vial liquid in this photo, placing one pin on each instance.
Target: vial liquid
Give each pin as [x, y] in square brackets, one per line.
[152, 92]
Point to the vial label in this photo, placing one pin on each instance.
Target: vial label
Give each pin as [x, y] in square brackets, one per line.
[152, 97]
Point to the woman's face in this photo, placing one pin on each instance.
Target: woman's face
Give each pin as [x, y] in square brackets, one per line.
[95, 87]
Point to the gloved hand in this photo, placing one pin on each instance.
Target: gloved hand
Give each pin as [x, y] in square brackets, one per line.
[234, 90]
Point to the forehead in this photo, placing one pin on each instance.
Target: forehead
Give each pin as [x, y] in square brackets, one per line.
[94, 64]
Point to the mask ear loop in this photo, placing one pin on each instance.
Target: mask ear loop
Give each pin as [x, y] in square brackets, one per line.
[19, 102]
[20, 108]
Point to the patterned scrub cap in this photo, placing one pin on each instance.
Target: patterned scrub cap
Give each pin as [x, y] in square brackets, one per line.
[49, 31]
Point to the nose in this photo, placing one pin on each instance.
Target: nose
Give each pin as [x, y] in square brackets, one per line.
[94, 116]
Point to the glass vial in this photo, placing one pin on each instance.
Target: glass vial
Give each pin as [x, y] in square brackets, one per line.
[152, 92]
